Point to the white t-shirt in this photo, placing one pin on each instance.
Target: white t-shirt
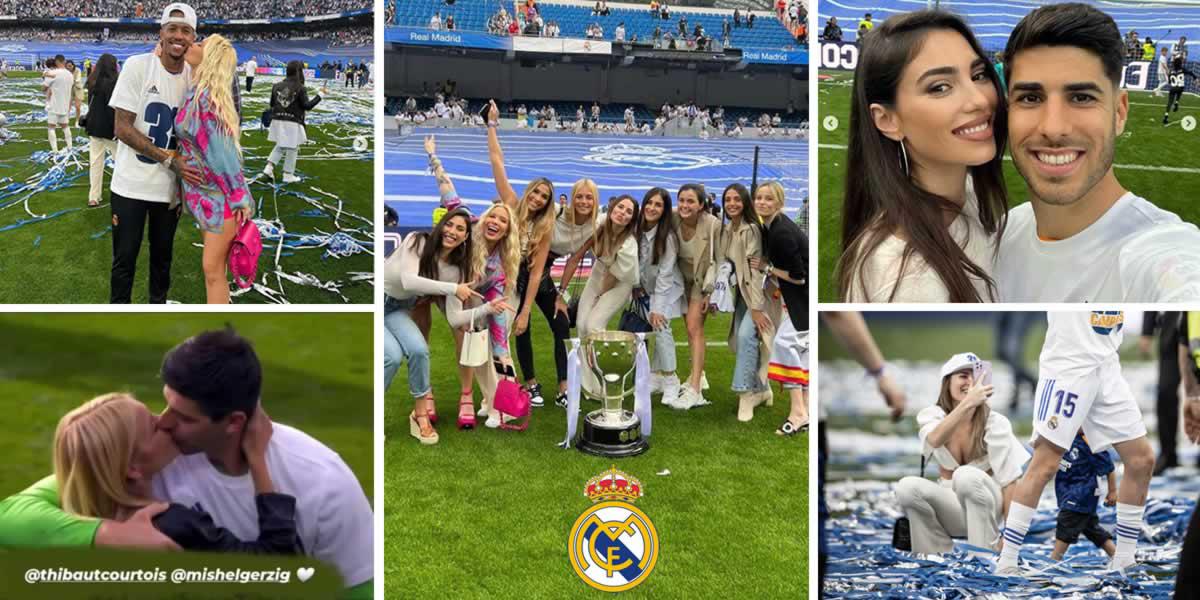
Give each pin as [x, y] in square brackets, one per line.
[919, 282]
[251, 68]
[1135, 252]
[333, 517]
[153, 95]
[60, 91]
[1005, 455]
[569, 237]
[1079, 342]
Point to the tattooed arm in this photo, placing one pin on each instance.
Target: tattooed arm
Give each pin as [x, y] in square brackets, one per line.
[125, 131]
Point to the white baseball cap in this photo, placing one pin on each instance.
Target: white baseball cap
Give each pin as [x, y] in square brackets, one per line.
[958, 362]
[188, 18]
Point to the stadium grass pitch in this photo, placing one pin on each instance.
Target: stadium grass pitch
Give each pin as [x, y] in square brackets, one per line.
[488, 513]
[56, 362]
[1153, 149]
[67, 258]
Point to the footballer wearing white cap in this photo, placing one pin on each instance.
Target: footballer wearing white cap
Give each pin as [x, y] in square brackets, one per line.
[1080, 386]
[149, 90]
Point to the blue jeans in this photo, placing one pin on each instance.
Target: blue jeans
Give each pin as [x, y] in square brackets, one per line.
[662, 359]
[402, 341]
[745, 368]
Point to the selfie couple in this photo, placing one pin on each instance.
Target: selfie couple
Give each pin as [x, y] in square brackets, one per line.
[211, 473]
[925, 214]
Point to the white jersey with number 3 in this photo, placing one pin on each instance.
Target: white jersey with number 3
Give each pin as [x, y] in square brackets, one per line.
[146, 89]
[1078, 343]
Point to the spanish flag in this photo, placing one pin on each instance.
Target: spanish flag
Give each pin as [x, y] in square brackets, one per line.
[785, 374]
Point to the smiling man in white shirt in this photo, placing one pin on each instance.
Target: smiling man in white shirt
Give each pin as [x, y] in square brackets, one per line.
[149, 91]
[1082, 237]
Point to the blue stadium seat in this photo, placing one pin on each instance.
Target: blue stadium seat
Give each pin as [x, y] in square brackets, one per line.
[472, 15]
[993, 21]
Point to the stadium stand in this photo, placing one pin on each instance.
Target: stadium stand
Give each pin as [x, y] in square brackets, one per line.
[205, 9]
[993, 21]
[344, 35]
[574, 19]
[609, 113]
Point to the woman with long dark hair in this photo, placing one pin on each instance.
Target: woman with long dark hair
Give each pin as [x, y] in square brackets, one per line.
[979, 460]
[289, 105]
[614, 272]
[925, 201]
[752, 329]
[697, 231]
[441, 262]
[102, 142]
[658, 249]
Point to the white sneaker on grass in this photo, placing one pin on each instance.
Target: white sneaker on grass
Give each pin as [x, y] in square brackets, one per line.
[656, 383]
[670, 390]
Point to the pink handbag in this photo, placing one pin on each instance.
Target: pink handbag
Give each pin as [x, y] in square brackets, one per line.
[243, 254]
[511, 400]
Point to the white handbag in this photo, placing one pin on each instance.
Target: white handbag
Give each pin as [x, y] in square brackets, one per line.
[474, 347]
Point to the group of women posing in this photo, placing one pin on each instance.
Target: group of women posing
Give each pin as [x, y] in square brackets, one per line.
[493, 269]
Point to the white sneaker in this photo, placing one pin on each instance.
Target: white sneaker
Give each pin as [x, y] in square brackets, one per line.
[656, 383]
[1117, 564]
[290, 178]
[269, 171]
[689, 398]
[703, 382]
[1007, 570]
[670, 390]
[683, 398]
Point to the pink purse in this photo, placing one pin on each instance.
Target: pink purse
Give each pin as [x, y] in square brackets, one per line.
[511, 400]
[243, 254]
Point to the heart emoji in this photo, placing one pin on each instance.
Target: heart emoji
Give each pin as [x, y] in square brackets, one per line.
[305, 573]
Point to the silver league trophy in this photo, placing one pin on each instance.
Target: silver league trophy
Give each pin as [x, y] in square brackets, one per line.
[611, 431]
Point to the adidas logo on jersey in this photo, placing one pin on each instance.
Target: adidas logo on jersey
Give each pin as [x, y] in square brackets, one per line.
[153, 90]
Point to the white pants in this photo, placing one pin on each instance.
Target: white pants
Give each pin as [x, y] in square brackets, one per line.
[595, 311]
[970, 505]
[98, 149]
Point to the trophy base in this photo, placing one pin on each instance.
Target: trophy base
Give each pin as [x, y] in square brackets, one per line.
[601, 438]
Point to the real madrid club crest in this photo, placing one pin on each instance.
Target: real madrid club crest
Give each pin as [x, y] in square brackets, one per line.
[613, 545]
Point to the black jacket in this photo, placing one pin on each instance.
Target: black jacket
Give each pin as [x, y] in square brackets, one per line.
[289, 101]
[787, 249]
[195, 530]
[101, 116]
